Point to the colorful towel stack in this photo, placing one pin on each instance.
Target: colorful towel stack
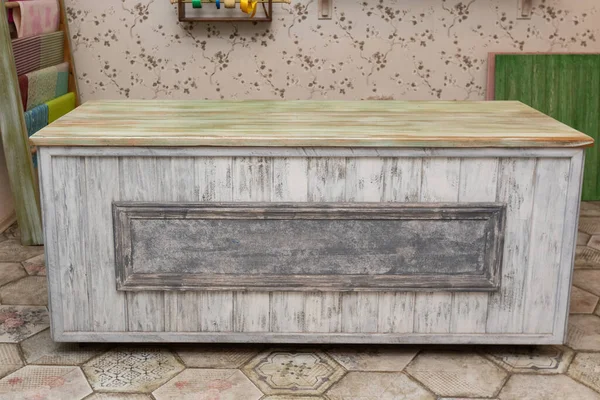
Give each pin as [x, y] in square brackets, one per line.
[44, 114]
[38, 87]
[38, 52]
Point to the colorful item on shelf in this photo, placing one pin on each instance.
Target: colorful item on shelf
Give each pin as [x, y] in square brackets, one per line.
[249, 7]
[60, 106]
[36, 119]
[45, 84]
[197, 3]
[218, 4]
[36, 17]
[38, 52]
[229, 3]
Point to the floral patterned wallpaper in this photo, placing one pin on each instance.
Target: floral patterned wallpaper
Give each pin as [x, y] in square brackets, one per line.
[401, 49]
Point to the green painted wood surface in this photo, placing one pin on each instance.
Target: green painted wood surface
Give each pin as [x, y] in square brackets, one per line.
[16, 147]
[441, 124]
[564, 86]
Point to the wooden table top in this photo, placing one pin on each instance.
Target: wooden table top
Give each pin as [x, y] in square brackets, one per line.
[289, 123]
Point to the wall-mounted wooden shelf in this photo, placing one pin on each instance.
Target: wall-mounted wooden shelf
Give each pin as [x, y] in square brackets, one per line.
[266, 5]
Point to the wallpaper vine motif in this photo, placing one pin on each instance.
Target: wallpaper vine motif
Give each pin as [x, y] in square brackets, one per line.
[402, 49]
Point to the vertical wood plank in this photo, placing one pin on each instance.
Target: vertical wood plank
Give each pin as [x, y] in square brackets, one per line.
[215, 311]
[140, 180]
[69, 176]
[287, 312]
[547, 230]
[439, 183]
[403, 179]
[402, 184]
[327, 179]
[326, 183]
[588, 107]
[516, 183]
[365, 181]
[322, 312]
[51, 250]
[396, 312]
[252, 181]
[177, 175]
[290, 184]
[568, 245]
[108, 307]
[478, 183]
[214, 183]
[290, 179]
[359, 312]
[214, 179]
[16, 146]
[432, 312]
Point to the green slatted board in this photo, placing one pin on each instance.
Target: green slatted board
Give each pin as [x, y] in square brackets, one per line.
[564, 86]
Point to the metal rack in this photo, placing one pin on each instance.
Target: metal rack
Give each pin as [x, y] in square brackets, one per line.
[267, 6]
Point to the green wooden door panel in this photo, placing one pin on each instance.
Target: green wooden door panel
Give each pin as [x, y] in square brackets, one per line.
[563, 86]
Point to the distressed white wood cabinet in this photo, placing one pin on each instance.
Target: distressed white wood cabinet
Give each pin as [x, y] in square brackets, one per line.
[370, 222]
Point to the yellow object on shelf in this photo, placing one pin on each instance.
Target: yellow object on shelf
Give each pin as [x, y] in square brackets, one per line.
[249, 7]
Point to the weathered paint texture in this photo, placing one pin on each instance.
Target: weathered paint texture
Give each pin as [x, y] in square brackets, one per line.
[563, 86]
[378, 124]
[308, 247]
[530, 306]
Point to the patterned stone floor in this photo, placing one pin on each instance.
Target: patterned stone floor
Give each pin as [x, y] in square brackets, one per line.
[33, 367]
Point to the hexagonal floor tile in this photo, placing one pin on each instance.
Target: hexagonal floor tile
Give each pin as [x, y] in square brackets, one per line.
[373, 358]
[31, 291]
[586, 257]
[119, 396]
[42, 350]
[10, 272]
[17, 323]
[584, 332]
[582, 238]
[35, 265]
[537, 387]
[582, 302]
[586, 369]
[593, 242]
[457, 374]
[215, 356]
[10, 360]
[13, 232]
[589, 209]
[12, 251]
[289, 397]
[48, 383]
[464, 398]
[137, 369]
[533, 359]
[590, 225]
[378, 386]
[588, 279]
[302, 372]
[222, 384]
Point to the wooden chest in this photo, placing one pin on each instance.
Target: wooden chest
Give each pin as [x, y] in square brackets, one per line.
[320, 222]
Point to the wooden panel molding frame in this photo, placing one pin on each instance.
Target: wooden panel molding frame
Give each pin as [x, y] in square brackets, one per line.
[308, 246]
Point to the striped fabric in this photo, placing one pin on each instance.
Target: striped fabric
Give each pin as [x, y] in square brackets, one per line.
[40, 86]
[36, 119]
[38, 52]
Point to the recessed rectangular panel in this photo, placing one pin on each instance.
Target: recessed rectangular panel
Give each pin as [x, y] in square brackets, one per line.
[362, 246]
